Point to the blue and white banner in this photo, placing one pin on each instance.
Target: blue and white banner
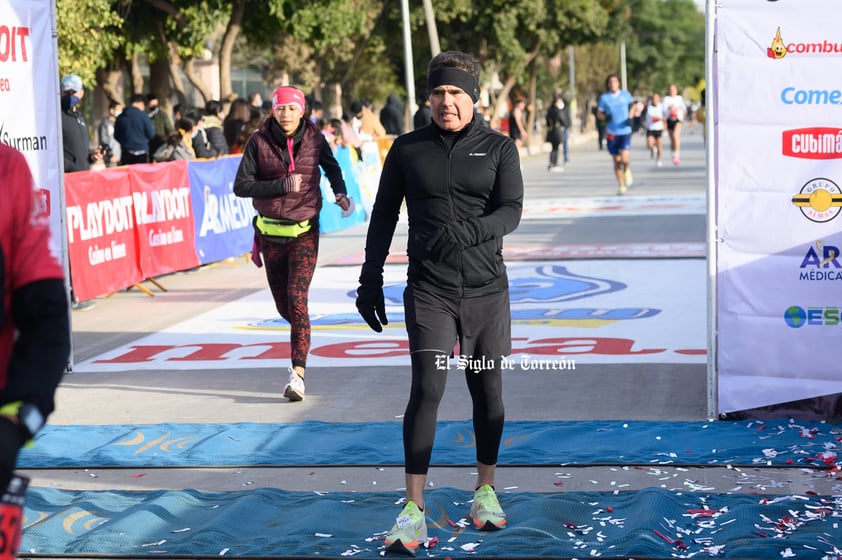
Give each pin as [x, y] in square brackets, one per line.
[778, 180]
[222, 219]
[565, 316]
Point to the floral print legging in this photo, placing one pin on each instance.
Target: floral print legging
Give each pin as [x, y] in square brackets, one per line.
[289, 270]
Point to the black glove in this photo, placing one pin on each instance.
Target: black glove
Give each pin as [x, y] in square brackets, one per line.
[11, 441]
[370, 301]
[451, 238]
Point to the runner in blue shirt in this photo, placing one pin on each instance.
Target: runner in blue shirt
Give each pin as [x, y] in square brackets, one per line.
[614, 106]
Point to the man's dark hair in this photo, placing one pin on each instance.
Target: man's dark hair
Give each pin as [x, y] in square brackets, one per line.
[213, 107]
[455, 59]
[137, 98]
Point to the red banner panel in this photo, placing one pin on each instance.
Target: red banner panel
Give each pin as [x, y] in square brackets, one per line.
[101, 234]
[164, 218]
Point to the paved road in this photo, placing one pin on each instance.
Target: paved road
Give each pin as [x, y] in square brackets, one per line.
[652, 240]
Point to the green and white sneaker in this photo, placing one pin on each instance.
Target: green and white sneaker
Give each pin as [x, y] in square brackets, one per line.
[629, 180]
[409, 532]
[486, 512]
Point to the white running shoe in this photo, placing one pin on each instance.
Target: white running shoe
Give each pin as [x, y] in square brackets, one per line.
[294, 389]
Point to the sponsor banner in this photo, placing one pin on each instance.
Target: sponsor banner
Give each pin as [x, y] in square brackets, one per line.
[223, 220]
[564, 315]
[816, 142]
[606, 251]
[164, 213]
[614, 206]
[180, 214]
[101, 232]
[584, 251]
[330, 217]
[29, 99]
[779, 194]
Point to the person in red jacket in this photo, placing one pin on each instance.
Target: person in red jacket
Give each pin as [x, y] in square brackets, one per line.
[279, 170]
[34, 321]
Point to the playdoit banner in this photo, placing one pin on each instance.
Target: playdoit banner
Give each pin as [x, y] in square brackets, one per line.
[29, 98]
[778, 177]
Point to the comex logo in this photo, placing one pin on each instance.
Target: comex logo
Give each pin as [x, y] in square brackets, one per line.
[819, 200]
[797, 317]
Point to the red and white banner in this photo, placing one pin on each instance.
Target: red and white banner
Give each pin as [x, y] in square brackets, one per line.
[29, 98]
[777, 96]
[101, 234]
[161, 195]
[128, 224]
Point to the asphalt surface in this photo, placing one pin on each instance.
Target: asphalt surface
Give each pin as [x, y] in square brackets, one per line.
[632, 391]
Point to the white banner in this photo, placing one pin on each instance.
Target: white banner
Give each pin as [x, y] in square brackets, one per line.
[29, 99]
[778, 102]
[565, 315]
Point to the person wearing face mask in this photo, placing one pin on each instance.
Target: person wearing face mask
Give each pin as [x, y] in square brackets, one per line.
[106, 134]
[462, 188]
[279, 171]
[78, 155]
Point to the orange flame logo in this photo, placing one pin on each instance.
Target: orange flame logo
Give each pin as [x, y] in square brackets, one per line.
[778, 48]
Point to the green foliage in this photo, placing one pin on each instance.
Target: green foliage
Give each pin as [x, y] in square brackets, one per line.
[666, 44]
[88, 35]
[193, 24]
[359, 43]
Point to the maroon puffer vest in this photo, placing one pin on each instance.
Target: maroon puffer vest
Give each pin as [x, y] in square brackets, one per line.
[297, 206]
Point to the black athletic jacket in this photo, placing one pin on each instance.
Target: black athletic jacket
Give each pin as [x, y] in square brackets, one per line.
[479, 178]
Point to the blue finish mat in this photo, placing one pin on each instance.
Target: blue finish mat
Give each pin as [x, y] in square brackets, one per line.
[653, 523]
[770, 443]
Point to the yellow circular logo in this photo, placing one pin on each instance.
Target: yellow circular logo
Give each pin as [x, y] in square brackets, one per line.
[820, 200]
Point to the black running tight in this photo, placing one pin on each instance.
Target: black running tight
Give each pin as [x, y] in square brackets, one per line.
[419, 424]
[289, 270]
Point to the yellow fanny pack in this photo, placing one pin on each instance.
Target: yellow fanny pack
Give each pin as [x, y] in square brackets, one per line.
[281, 228]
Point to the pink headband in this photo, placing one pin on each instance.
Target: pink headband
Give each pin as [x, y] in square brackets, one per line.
[288, 95]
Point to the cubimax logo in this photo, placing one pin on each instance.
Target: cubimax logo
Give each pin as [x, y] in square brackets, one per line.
[13, 43]
[820, 142]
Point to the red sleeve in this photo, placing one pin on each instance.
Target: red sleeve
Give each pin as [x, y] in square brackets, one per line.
[28, 256]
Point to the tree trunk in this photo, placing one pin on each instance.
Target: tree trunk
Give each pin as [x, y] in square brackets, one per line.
[195, 78]
[135, 77]
[174, 65]
[111, 81]
[531, 59]
[333, 101]
[501, 108]
[159, 84]
[531, 106]
[228, 40]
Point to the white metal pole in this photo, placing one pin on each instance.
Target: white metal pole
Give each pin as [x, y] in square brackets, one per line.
[432, 30]
[711, 110]
[408, 69]
[623, 65]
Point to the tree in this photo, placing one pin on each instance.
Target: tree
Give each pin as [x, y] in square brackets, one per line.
[665, 43]
[88, 35]
[512, 37]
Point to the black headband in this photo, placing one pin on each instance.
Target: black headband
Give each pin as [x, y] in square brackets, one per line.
[449, 76]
